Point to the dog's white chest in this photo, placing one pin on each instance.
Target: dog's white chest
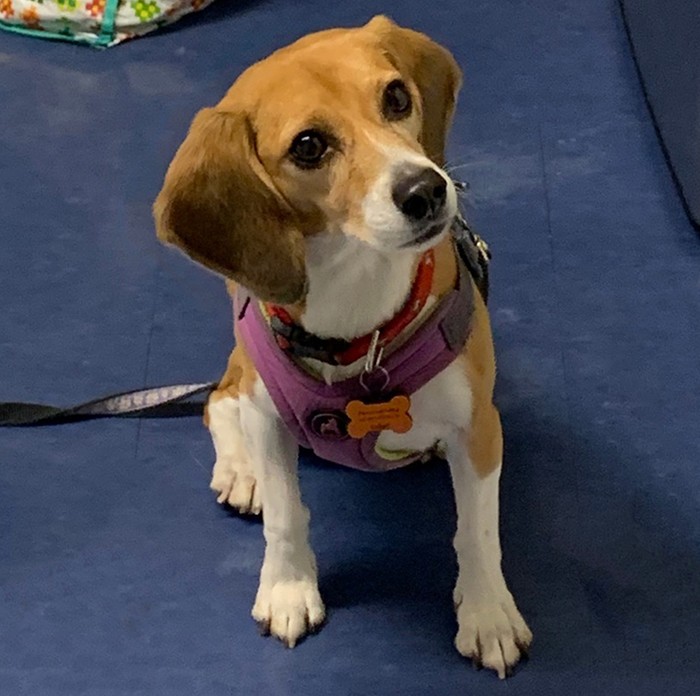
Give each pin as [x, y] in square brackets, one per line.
[439, 408]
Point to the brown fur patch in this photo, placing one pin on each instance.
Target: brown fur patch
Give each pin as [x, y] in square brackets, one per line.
[239, 378]
[217, 207]
[484, 439]
[445, 275]
[240, 375]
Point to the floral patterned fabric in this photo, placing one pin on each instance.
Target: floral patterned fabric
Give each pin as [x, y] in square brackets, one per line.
[96, 22]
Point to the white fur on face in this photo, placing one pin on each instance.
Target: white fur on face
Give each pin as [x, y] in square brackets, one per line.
[385, 226]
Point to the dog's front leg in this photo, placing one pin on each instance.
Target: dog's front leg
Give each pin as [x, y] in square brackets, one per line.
[491, 630]
[288, 604]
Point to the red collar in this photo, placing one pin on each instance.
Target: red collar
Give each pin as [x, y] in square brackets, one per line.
[294, 339]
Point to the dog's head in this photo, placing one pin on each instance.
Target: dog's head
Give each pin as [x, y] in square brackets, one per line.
[343, 132]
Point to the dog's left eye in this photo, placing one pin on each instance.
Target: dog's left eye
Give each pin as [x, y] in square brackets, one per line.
[396, 102]
[308, 148]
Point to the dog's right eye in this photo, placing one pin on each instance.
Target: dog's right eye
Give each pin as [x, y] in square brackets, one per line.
[308, 148]
[396, 101]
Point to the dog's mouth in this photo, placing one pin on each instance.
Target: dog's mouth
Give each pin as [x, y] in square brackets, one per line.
[431, 232]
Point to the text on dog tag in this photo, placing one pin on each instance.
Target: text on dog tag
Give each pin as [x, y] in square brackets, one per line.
[377, 416]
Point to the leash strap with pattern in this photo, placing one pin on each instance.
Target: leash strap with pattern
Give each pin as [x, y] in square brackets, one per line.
[165, 401]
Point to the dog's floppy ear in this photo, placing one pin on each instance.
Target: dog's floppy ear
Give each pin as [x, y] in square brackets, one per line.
[435, 72]
[218, 205]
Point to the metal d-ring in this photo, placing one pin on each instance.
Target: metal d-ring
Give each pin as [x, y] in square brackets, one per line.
[375, 387]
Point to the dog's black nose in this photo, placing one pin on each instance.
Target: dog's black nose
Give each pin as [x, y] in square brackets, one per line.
[421, 195]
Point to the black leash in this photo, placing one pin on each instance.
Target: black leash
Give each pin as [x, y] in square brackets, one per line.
[155, 402]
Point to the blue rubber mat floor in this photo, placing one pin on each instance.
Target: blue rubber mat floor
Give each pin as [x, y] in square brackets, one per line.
[118, 572]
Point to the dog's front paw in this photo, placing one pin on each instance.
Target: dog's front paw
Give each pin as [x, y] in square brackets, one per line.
[492, 634]
[289, 610]
[235, 484]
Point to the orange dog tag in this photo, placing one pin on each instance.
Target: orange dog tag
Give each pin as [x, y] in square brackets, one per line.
[375, 417]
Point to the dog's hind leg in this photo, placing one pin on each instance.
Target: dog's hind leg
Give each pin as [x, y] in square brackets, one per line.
[232, 479]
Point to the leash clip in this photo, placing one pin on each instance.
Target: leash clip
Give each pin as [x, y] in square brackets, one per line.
[476, 240]
[482, 246]
[374, 354]
[374, 378]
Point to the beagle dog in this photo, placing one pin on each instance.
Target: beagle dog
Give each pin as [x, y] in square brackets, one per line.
[315, 187]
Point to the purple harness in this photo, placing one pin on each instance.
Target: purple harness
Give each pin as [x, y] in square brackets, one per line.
[315, 411]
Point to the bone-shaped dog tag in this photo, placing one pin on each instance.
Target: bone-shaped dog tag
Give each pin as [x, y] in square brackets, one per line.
[377, 416]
